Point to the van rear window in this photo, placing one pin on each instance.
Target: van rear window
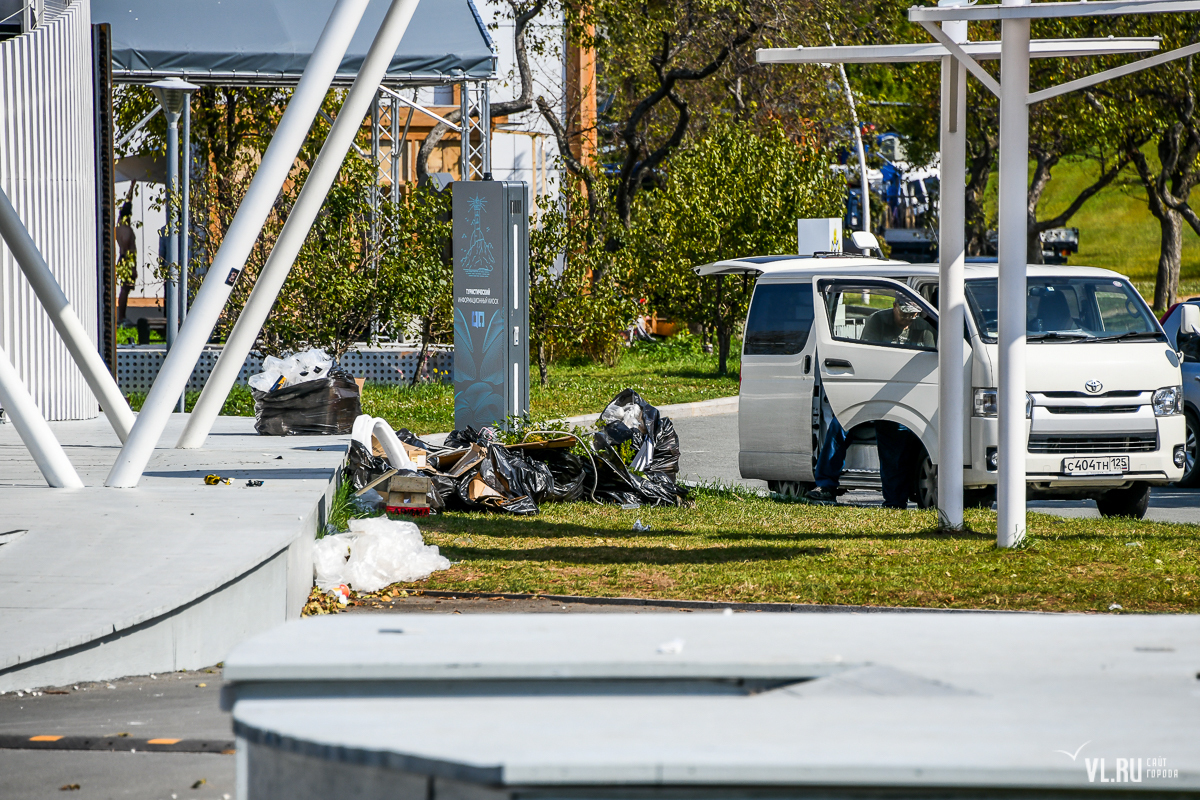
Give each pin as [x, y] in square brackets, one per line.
[781, 315]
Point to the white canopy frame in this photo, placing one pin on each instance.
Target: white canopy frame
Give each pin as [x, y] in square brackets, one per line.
[956, 52]
[1015, 99]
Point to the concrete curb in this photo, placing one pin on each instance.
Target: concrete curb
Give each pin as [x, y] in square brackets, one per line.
[713, 605]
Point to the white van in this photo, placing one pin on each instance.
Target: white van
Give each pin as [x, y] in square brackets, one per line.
[1105, 404]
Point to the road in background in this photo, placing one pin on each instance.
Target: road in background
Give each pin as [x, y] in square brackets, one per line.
[709, 447]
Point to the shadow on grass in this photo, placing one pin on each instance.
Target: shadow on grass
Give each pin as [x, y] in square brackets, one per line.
[634, 555]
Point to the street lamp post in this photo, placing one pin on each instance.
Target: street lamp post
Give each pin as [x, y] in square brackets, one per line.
[174, 95]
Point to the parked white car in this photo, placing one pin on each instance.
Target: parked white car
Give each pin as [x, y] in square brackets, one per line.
[1105, 404]
[1182, 326]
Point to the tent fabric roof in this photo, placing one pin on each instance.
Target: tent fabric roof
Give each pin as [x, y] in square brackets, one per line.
[268, 42]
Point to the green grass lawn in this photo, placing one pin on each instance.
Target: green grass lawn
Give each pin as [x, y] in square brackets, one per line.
[1116, 229]
[735, 546]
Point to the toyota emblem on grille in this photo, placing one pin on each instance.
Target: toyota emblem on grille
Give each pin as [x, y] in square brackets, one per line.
[1093, 386]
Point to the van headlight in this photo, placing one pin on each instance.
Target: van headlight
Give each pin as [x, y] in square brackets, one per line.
[987, 403]
[1168, 401]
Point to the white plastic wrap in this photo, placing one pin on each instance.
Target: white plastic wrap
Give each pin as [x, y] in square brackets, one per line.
[381, 552]
[307, 365]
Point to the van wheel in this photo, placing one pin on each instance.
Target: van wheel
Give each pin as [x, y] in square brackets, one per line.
[1130, 502]
[790, 490]
[927, 482]
[1191, 443]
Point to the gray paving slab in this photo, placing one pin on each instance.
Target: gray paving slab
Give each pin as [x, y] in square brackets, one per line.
[97, 562]
[41, 774]
[914, 700]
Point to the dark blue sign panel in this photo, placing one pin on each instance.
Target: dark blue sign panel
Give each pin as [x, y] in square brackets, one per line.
[491, 302]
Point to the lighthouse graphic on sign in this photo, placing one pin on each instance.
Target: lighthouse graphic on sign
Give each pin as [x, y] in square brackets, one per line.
[477, 259]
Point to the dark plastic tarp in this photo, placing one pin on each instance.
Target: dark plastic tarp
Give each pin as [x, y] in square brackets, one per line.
[268, 42]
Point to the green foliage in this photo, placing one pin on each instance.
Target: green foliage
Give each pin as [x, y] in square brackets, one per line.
[576, 306]
[732, 194]
[343, 288]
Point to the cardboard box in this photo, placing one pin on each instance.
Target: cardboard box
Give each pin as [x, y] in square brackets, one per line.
[408, 493]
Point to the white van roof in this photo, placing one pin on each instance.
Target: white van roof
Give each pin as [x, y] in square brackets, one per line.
[782, 267]
[769, 265]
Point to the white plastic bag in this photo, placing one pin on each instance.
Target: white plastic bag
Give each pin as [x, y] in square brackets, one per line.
[381, 552]
[307, 365]
[389, 551]
[329, 560]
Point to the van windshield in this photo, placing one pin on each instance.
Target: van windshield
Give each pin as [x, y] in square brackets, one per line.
[1070, 309]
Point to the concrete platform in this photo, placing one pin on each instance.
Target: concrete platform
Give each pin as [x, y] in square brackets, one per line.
[100, 583]
[711, 706]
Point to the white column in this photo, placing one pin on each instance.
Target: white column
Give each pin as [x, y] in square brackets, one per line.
[295, 230]
[951, 302]
[210, 301]
[75, 336]
[171, 288]
[34, 431]
[1013, 185]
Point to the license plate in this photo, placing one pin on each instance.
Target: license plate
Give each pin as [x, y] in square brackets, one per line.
[1102, 465]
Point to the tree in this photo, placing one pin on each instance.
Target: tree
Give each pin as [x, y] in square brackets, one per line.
[571, 313]
[732, 194]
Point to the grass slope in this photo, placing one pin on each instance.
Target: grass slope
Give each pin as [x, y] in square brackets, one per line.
[735, 546]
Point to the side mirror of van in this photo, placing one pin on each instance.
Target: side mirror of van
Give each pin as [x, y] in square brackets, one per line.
[1189, 319]
[865, 242]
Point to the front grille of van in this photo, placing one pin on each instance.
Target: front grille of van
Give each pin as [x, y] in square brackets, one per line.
[1085, 444]
[1092, 409]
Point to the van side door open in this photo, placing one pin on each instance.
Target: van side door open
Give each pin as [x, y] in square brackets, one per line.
[775, 412]
[877, 353]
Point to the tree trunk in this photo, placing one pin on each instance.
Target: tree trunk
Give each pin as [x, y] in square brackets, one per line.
[426, 335]
[1170, 252]
[541, 361]
[724, 334]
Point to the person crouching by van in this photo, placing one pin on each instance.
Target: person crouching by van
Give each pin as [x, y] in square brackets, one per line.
[897, 454]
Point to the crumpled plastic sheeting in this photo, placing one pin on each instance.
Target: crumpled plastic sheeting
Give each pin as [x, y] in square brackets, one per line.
[375, 553]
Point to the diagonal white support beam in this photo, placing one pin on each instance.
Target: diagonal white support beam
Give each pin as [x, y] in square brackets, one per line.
[1104, 8]
[58, 308]
[299, 222]
[932, 51]
[421, 108]
[971, 64]
[1109, 74]
[34, 431]
[247, 224]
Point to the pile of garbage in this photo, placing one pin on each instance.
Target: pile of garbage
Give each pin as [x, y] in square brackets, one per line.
[631, 460]
[304, 394]
[373, 554]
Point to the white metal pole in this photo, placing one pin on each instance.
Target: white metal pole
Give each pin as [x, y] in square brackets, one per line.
[951, 302]
[277, 162]
[464, 125]
[185, 211]
[1013, 185]
[171, 289]
[74, 335]
[32, 428]
[295, 230]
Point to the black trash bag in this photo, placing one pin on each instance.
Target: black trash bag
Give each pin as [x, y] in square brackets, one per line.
[522, 476]
[469, 436]
[522, 505]
[571, 475]
[653, 436]
[618, 484]
[410, 439]
[446, 490]
[362, 466]
[326, 406]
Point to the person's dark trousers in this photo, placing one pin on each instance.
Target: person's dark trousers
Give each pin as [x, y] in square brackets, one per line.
[832, 457]
[897, 462]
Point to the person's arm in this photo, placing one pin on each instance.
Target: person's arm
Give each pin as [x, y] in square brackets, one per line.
[874, 330]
